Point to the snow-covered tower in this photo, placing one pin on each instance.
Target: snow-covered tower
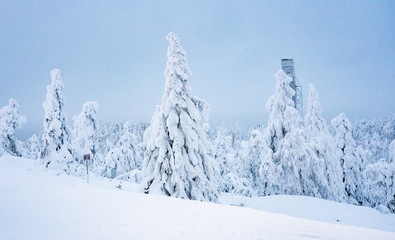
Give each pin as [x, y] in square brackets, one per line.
[287, 65]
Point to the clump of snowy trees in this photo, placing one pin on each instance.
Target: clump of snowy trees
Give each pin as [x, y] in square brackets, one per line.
[309, 158]
[178, 155]
[235, 172]
[287, 162]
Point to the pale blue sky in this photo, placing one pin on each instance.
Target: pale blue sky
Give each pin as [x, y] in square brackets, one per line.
[114, 52]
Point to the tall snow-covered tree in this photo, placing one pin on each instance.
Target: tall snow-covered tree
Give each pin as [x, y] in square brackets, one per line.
[345, 148]
[327, 173]
[85, 131]
[287, 161]
[56, 151]
[176, 160]
[10, 119]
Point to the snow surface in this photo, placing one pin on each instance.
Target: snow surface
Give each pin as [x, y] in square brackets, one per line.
[317, 209]
[40, 204]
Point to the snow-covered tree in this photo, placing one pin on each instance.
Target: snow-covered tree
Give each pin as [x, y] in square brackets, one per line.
[375, 136]
[33, 146]
[287, 161]
[10, 119]
[327, 173]
[122, 158]
[391, 178]
[379, 182]
[226, 151]
[56, 151]
[391, 152]
[107, 136]
[345, 148]
[223, 150]
[373, 152]
[176, 160]
[378, 186]
[84, 131]
[255, 157]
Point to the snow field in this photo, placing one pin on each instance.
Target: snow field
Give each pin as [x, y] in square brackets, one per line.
[44, 205]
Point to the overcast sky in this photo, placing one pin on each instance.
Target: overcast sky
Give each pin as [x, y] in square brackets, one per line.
[114, 52]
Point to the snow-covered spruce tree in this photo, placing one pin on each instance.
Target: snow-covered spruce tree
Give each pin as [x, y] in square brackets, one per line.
[108, 134]
[222, 150]
[377, 186]
[84, 131]
[391, 152]
[327, 173]
[176, 160]
[367, 134]
[391, 177]
[255, 158]
[375, 136]
[56, 151]
[345, 148]
[137, 129]
[226, 151]
[240, 179]
[33, 146]
[122, 158]
[378, 181]
[286, 166]
[9, 121]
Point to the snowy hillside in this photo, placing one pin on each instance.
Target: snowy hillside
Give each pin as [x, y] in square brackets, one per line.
[40, 204]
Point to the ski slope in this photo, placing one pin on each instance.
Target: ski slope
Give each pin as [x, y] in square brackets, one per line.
[40, 204]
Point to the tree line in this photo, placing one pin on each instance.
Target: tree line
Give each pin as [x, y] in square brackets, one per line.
[177, 153]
